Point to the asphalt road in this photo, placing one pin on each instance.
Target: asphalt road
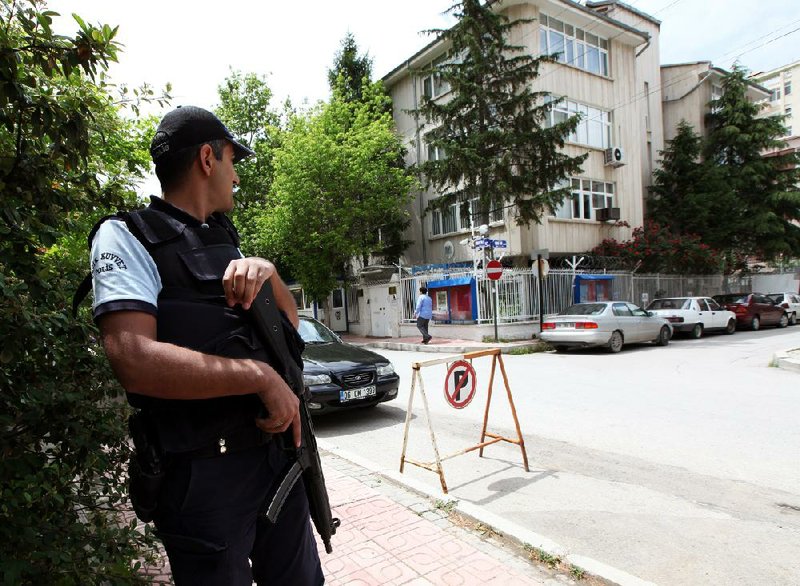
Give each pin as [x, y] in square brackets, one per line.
[679, 465]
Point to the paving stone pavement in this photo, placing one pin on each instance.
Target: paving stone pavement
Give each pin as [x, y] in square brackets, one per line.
[390, 535]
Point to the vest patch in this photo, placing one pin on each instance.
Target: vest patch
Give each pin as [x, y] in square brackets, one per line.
[108, 261]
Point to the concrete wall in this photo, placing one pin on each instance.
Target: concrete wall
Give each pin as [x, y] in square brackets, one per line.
[777, 283]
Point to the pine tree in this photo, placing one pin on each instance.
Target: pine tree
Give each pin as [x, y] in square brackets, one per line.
[685, 192]
[491, 128]
[355, 69]
[759, 185]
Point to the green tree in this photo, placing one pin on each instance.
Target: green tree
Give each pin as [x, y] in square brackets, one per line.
[759, 185]
[336, 187]
[492, 127]
[355, 70]
[245, 109]
[680, 199]
[65, 157]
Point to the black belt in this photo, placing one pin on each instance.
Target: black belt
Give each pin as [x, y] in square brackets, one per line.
[231, 443]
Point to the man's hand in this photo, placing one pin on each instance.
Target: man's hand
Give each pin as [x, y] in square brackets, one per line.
[283, 407]
[243, 279]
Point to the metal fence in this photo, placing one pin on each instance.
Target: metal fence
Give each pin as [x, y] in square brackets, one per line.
[516, 293]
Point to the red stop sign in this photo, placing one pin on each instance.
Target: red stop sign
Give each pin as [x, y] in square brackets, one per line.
[494, 270]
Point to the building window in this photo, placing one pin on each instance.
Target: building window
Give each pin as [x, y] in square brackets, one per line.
[585, 198]
[776, 94]
[495, 213]
[716, 95]
[434, 153]
[787, 110]
[787, 88]
[433, 84]
[573, 45]
[450, 220]
[593, 130]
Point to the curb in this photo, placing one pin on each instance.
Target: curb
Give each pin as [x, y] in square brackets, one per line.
[789, 359]
[517, 534]
[442, 349]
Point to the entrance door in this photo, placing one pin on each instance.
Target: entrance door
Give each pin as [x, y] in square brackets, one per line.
[338, 314]
[378, 302]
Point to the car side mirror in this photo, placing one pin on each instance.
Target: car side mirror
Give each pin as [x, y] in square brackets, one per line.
[650, 313]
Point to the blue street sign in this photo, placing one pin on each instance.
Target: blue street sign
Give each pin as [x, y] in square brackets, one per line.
[482, 243]
[500, 243]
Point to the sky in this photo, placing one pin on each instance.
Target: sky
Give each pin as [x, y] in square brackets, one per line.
[195, 44]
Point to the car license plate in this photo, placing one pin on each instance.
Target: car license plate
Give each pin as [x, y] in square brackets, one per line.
[565, 324]
[362, 393]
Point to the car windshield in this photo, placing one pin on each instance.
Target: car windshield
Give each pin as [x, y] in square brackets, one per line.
[584, 309]
[776, 297]
[670, 304]
[732, 298]
[314, 332]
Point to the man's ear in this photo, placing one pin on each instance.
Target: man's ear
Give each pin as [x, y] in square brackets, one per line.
[206, 158]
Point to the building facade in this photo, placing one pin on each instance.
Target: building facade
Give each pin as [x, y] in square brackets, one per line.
[599, 76]
[782, 99]
[687, 90]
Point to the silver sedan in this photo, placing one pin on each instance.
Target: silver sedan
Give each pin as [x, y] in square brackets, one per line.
[604, 323]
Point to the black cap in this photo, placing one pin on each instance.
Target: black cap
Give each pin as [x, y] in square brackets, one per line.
[187, 126]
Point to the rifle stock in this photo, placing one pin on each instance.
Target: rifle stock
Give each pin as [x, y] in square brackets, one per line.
[306, 462]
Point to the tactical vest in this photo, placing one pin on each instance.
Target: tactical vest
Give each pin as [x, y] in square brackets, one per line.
[191, 258]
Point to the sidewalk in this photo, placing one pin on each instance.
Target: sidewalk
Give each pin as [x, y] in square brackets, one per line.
[390, 535]
[442, 345]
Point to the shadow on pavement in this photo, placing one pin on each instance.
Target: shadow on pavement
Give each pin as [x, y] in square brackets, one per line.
[359, 420]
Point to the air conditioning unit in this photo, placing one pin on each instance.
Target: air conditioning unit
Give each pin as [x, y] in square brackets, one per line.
[606, 214]
[614, 157]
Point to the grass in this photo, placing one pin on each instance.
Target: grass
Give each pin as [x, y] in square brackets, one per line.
[445, 506]
[539, 347]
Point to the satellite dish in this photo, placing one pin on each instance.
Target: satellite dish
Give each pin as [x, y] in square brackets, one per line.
[449, 250]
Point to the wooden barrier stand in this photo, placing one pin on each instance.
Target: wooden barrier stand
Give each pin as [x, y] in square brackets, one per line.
[436, 465]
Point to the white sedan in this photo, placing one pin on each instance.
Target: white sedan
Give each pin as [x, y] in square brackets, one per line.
[604, 323]
[694, 315]
[790, 302]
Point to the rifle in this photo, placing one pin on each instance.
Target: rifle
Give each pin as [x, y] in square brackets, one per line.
[306, 462]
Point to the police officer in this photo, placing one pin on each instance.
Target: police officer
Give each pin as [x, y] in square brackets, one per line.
[171, 290]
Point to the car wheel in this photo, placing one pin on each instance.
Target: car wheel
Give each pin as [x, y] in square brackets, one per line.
[616, 341]
[784, 321]
[561, 349]
[663, 336]
[731, 327]
[793, 319]
[755, 324]
[697, 331]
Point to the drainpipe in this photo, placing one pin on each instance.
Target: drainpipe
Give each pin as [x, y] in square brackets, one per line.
[418, 153]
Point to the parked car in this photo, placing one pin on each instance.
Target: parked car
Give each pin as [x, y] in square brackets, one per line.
[340, 375]
[790, 302]
[694, 315]
[604, 323]
[754, 310]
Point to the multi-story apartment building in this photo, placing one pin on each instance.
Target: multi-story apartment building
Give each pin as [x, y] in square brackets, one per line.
[648, 80]
[687, 90]
[784, 101]
[598, 77]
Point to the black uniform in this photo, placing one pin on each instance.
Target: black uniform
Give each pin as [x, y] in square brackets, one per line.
[219, 465]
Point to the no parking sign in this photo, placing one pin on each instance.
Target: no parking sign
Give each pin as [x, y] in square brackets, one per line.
[459, 386]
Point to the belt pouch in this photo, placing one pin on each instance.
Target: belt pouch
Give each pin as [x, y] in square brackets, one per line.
[146, 469]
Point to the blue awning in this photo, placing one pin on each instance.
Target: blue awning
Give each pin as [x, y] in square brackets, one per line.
[441, 284]
[594, 277]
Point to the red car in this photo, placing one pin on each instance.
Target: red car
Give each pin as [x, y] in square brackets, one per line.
[754, 310]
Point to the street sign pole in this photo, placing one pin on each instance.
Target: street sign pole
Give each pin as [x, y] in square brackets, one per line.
[496, 304]
[539, 264]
